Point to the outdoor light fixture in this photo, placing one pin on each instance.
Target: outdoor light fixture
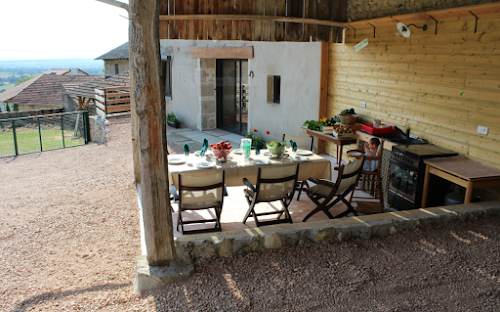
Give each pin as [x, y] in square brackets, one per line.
[404, 31]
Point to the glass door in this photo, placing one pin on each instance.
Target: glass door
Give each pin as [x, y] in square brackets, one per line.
[232, 95]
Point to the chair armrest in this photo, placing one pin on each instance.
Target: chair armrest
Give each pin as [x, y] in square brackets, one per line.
[249, 184]
[173, 190]
[322, 182]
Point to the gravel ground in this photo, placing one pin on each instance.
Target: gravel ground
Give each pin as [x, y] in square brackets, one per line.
[69, 235]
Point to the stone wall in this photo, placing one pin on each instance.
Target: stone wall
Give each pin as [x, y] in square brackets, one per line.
[363, 9]
[98, 133]
[205, 79]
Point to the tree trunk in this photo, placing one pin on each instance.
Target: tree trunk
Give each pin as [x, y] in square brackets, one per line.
[149, 101]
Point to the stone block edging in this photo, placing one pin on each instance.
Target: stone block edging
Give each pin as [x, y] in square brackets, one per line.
[207, 247]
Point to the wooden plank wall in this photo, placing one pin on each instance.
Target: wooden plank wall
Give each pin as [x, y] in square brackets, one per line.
[251, 30]
[442, 85]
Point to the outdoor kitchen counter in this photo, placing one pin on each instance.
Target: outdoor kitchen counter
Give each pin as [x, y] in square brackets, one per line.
[462, 171]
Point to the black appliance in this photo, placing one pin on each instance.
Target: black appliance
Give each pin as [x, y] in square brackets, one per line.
[407, 174]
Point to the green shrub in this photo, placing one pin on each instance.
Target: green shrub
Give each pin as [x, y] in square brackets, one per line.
[172, 118]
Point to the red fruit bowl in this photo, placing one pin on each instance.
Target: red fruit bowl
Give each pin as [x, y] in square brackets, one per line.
[221, 154]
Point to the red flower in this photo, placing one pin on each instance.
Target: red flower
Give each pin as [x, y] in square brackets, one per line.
[267, 132]
[254, 130]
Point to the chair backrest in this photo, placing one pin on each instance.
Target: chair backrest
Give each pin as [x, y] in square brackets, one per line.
[201, 191]
[275, 183]
[349, 175]
[302, 142]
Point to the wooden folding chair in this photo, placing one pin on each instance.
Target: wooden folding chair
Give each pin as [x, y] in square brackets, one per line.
[326, 194]
[197, 193]
[273, 184]
[303, 144]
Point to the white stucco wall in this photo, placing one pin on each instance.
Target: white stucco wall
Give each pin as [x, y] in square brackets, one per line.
[298, 64]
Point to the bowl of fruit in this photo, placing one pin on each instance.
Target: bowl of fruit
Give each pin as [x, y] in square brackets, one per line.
[221, 150]
[276, 148]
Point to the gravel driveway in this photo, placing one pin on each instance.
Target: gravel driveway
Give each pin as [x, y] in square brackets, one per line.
[69, 234]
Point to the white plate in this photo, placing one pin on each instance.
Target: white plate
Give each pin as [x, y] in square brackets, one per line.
[176, 160]
[304, 153]
[354, 153]
[238, 151]
[205, 165]
[262, 161]
[301, 158]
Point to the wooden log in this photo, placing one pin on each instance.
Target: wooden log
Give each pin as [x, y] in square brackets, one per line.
[148, 96]
[244, 17]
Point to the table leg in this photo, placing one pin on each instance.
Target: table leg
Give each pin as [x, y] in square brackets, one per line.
[340, 156]
[468, 192]
[426, 186]
[337, 156]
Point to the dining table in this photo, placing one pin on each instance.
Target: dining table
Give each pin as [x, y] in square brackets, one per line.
[236, 167]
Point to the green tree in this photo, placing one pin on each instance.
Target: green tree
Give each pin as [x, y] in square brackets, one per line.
[21, 80]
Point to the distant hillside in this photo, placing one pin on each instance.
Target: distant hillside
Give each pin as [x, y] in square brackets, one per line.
[37, 66]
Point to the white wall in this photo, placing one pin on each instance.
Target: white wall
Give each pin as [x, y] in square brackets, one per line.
[298, 64]
[109, 66]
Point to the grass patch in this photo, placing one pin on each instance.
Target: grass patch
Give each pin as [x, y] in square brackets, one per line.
[28, 141]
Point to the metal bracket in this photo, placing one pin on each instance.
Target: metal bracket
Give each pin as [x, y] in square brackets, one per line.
[435, 20]
[374, 28]
[477, 18]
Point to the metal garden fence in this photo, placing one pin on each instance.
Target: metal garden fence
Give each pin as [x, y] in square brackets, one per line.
[43, 133]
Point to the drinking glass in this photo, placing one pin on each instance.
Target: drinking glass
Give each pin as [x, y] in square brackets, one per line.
[246, 146]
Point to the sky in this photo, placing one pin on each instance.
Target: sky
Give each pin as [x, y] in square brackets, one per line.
[60, 29]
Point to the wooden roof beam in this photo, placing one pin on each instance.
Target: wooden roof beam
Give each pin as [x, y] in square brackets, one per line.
[244, 17]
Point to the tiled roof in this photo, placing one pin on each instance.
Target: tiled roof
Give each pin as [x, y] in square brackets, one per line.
[120, 53]
[66, 71]
[9, 94]
[87, 89]
[47, 90]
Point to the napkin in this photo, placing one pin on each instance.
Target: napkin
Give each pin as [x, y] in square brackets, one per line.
[204, 147]
[291, 143]
[294, 147]
[257, 149]
[186, 149]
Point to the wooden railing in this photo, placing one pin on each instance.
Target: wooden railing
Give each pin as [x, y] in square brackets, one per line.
[112, 101]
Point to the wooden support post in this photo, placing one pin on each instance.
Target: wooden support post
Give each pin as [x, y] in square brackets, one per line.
[148, 99]
[323, 90]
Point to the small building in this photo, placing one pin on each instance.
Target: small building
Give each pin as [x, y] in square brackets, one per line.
[116, 60]
[46, 92]
[6, 96]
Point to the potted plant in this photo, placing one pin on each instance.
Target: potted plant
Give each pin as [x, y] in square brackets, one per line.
[172, 120]
[348, 116]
